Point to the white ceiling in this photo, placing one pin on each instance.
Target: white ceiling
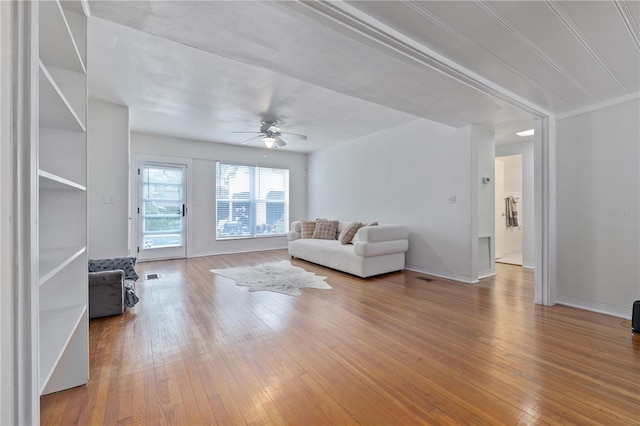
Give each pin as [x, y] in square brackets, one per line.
[339, 70]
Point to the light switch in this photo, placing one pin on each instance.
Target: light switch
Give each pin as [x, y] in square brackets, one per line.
[108, 199]
[452, 199]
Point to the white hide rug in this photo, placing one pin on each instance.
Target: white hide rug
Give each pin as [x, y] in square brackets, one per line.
[279, 277]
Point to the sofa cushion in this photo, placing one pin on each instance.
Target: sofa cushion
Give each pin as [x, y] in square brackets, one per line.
[348, 233]
[127, 264]
[307, 227]
[325, 229]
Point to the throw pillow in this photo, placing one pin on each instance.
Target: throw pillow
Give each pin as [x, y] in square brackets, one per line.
[372, 224]
[349, 232]
[127, 264]
[325, 230]
[307, 228]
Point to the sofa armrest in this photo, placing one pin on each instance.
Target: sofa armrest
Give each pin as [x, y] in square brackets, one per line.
[381, 233]
[295, 232]
[293, 235]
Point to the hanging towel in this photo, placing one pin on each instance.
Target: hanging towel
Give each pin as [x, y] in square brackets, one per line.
[511, 212]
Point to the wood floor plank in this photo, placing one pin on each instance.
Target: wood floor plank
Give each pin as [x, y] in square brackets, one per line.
[392, 349]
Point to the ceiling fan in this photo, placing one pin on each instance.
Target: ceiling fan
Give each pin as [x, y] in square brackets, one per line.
[270, 135]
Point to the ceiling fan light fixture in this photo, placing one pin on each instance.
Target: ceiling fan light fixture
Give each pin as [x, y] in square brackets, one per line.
[269, 141]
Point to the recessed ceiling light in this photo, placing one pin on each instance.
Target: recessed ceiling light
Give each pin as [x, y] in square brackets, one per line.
[525, 133]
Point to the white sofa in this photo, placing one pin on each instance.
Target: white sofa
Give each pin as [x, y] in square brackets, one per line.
[376, 249]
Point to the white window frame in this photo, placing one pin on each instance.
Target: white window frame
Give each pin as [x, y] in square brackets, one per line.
[253, 203]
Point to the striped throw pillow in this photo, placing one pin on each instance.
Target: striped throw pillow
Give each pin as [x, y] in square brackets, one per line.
[307, 227]
[348, 233]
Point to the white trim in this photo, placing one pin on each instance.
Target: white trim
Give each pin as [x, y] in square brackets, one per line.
[545, 211]
[85, 7]
[23, 136]
[599, 105]
[486, 275]
[601, 308]
[7, 314]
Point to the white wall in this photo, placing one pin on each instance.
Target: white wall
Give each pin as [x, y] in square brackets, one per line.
[598, 235]
[483, 223]
[526, 209]
[201, 238]
[404, 175]
[108, 179]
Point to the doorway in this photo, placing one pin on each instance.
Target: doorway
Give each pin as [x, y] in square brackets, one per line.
[509, 206]
[162, 211]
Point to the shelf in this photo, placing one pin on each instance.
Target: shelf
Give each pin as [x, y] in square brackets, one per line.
[57, 45]
[53, 182]
[55, 260]
[55, 109]
[56, 329]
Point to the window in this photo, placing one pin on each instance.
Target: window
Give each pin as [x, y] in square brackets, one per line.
[251, 201]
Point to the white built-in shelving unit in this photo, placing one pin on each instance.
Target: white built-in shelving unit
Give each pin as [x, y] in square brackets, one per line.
[61, 282]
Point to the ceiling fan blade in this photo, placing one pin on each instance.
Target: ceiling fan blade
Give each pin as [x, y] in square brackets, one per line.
[294, 135]
[249, 132]
[250, 139]
[280, 142]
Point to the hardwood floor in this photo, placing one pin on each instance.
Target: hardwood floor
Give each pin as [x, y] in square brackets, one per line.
[395, 349]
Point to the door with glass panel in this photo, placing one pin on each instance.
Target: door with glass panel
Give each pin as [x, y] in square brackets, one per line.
[162, 214]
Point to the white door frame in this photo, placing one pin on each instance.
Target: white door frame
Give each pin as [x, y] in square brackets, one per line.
[135, 197]
[544, 147]
[499, 213]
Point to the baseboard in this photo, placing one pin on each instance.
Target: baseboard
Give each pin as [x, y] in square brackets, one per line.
[483, 275]
[236, 251]
[601, 308]
[452, 277]
[529, 267]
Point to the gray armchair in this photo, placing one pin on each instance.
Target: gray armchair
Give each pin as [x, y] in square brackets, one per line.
[106, 293]
[111, 286]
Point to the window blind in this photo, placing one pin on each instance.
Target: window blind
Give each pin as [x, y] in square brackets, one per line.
[251, 201]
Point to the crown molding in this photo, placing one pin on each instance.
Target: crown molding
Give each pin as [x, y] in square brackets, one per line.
[599, 105]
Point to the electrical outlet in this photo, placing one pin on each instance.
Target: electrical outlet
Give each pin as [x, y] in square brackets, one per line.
[452, 199]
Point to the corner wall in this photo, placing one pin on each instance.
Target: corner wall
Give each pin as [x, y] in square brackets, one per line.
[483, 208]
[404, 175]
[598, 202]
[108, 179]
[201, 238]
